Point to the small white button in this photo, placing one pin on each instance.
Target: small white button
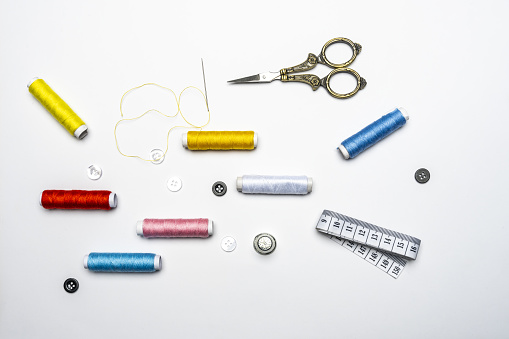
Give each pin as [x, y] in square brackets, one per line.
[174, 184]
[94, 172]
[156, 156]
[228, 244]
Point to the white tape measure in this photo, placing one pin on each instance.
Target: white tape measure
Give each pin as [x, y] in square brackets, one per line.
[381, 247]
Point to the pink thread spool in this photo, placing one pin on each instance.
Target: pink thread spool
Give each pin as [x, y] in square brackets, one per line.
[175, 228]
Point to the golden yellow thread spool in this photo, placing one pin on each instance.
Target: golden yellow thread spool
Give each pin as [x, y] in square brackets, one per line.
[58, 108]
[220, 140]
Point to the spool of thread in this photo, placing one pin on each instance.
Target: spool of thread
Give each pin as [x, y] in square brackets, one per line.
[58, 108]
[175, 228]
[122, 262]
[219, 140]
[373, 133]
[78, 200]
[273, 184]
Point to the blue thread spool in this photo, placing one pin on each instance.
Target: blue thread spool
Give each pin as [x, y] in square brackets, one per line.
[373, 133]
[122, 262]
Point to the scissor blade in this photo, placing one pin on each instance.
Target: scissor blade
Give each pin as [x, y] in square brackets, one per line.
[262, 77]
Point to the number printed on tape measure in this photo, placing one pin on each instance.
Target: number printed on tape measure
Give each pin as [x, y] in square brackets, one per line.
[381, 247]
[363, 233]
[391, 265]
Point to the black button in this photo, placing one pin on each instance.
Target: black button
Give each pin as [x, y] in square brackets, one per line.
[71, 285]
[219, 188]
[422, 175]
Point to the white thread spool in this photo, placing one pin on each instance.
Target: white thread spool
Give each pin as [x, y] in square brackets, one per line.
[272, 184]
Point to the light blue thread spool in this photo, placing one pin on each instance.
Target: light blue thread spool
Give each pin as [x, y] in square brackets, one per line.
[274, 184]
[373, 133]
[122, 262]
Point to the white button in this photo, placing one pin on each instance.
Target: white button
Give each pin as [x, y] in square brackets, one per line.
[94, 172]
[228, 244]
[174, 184]
[156, 156]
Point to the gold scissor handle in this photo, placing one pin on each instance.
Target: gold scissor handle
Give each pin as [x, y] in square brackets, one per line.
[310, 63]
[356, 49]
[361, 83]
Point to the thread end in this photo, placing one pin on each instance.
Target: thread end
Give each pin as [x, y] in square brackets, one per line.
[184, 140]
[81, 132]
[113, 200]
[211, 227]
[239, 184]
[343, 151]
[139, 228]
[85, 261]
[404, 112]
[32, 81]
[158, 263]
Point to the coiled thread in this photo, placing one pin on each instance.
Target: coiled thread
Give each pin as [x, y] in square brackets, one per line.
[174, 228]
[272, 184]
[220, 140]
[78, 200]
[58, 108]
[373, 133]
[122, 262]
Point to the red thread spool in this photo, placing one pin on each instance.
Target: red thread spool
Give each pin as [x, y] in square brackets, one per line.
[175, 228]
[78, 200]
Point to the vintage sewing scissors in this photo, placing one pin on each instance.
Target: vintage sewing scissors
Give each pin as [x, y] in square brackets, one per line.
[286, 74]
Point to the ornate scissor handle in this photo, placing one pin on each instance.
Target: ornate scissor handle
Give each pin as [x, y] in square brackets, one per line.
[361, 83]
[356, 49]
[313, 60]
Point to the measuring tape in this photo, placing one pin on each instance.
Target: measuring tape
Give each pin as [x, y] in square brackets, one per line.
[381, 247]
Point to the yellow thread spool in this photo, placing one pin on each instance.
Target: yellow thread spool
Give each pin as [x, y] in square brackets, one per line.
[220, 140]
[58, 108]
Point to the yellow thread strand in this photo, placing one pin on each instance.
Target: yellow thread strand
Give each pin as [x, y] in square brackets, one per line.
[220, 140]
[179, 111]
[55, 105]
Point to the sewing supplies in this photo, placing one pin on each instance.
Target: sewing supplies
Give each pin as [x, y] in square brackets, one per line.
[94, 172]
[373, 243]
[274, 184]
[373, 133]
[175, 228]
[174, 184]
[158, 158]
[71, 285]
[78, 200]
[219, 188]
[122, 262]
[228, 244]
[287, 74]
[58, 108]
[219, 140]
[422, 175]
[264, 243]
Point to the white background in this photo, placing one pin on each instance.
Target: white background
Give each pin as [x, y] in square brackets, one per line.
[445, 62]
